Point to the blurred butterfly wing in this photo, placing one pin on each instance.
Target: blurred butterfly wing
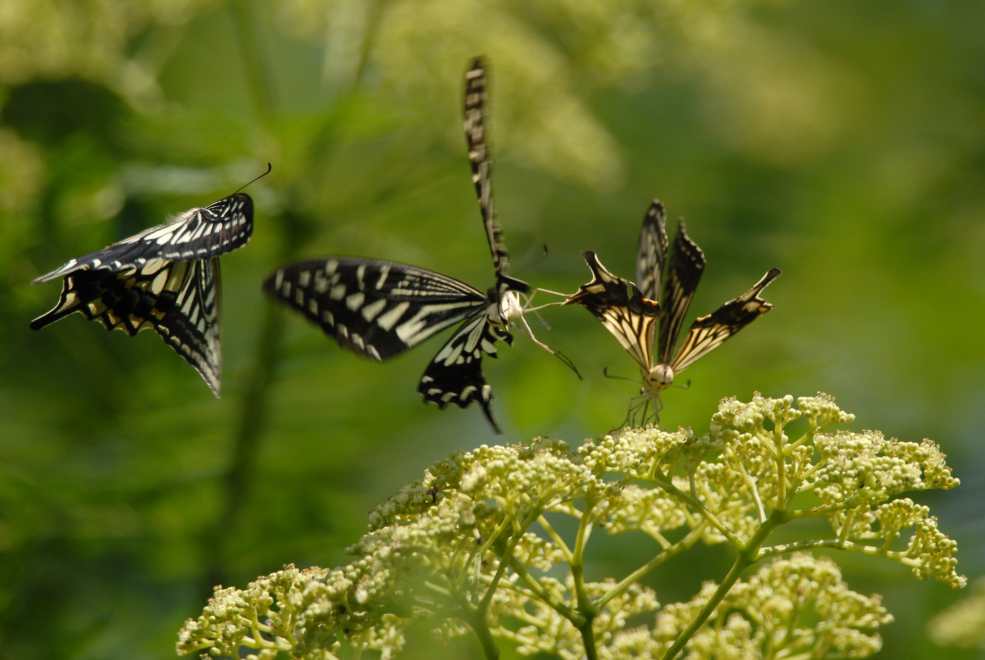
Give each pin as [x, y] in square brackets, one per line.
[454, 374]
[375, 308]
[652, 251]
[480, 162]
[622, 310]
[191, 325]
[687, 263]
[708, 332]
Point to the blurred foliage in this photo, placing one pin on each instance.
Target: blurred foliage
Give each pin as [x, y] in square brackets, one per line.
[843, 142]
[963, 623]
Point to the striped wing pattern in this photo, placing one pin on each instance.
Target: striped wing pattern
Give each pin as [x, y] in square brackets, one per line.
[178, 299]
[630, 313]
[205, 232]
[480, 161]
[381, 308]
[652, 251]
[622, 309]
[454, 374]
[195, 234]
[708, 332]
[165, 277]
[687, 263]
[375, 308]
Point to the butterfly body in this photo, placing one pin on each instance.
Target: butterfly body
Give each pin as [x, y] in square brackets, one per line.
[379, 308]
[646, 326]
[164, 278]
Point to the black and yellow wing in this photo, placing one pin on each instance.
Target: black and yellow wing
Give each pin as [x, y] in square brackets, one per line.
[621, 308]
[687, 263]
[652, 254]
[708, 332]
[178, 299]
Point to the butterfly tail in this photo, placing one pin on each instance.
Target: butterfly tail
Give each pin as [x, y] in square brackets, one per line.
[63, 308]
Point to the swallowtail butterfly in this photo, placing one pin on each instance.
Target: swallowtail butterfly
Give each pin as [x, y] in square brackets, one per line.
[165, 278]
[381, 308]
[633, 314]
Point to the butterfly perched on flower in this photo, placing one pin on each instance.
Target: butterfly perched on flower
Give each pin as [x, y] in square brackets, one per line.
[380, 309]
[646, 318]
[165, 278]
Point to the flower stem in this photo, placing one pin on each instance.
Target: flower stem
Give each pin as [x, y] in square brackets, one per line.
[781, 478]
[746, 557]
[555, 537]
[668, 486]
[481, 629]
[660, 558]
[585, 606]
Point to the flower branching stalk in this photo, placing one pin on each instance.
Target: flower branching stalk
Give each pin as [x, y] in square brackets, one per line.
[497, 543]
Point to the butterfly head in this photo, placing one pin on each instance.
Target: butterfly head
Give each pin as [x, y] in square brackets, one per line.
[506, 299]
[658, 378]
[510, 306]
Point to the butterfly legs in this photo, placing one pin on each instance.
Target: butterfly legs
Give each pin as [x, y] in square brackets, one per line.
[565, 360]
[521, 315]
[644, 410]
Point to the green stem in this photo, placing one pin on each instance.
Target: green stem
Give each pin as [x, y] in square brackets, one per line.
[781, 479]
[555, 537]
[588, 639]
[584, 604]
[834, 544]
[538, 591]
[668, 486]
[693, 536]
[477, 621]
[747, 556]
[252, 416]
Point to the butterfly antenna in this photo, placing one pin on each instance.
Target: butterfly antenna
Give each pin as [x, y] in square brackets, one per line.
[256, 178]
[605, 372]
[683, 386]
[565, 360]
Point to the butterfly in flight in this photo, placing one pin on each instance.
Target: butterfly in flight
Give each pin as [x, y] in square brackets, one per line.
[646, 320]
[165, 277]
[380, 309]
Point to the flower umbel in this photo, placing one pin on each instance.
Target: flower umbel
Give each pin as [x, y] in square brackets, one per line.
[483, 543]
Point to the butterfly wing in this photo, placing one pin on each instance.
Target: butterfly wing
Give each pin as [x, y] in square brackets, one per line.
[374, 308]
[687, 263]
[480, 162]
[191, 325]
[454, 374]
[179, 299]
[198, 233]
[652, 252]
[195, 234]
[622, 309]
[708, 332]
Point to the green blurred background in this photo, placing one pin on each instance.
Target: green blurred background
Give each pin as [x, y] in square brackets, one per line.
[841, 141]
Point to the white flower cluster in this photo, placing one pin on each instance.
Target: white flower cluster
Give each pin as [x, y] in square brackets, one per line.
[794, 607]
[484, 543]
